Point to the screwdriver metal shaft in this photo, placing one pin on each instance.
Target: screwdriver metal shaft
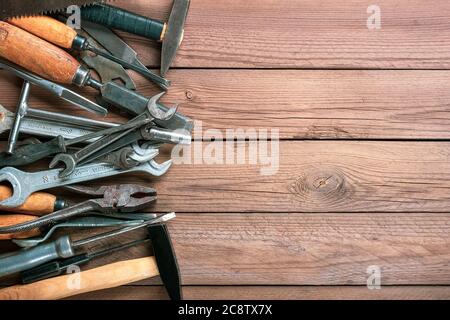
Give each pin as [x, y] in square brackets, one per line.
[61, 248]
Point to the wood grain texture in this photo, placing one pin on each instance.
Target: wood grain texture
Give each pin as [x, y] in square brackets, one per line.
[274, 293]
[300, 104]
[313, 176]
[36, 55]
[304, 34]
[109, 276]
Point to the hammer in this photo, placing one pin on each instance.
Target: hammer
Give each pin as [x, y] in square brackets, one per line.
[170, 33]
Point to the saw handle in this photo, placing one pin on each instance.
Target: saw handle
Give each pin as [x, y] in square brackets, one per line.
[105, 277]
[48, 29]
[37, 55]
[124, 20]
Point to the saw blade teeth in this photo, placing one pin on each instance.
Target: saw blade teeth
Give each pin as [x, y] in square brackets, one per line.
[37, 7]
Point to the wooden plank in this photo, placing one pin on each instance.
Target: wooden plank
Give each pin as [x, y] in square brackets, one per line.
[300, 104]
[324, 176]
[304, 34]
[274, 293]
[304, 249]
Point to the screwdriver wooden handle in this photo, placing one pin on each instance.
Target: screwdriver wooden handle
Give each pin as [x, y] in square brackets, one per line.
[37, 55]
[48, 29]
[105, 277]
[38, 204]
[9, 220]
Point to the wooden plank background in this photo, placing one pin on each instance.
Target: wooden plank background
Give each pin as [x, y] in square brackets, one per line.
[374, 193]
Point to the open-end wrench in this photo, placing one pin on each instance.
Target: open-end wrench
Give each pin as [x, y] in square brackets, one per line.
[34, 152]
[126, 158]
[72, 160]
[25, 183]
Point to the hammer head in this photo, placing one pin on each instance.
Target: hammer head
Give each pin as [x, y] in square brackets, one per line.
[174, 33]
[166, 260]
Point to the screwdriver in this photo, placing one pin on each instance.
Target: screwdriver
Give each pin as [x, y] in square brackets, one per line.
[63, 36]
[56, 268]
[62, 248]
[55, 64]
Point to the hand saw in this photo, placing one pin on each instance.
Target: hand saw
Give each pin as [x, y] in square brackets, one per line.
[14, 8]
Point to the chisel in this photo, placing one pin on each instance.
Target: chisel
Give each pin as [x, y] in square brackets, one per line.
[53, 63]
[63, 36]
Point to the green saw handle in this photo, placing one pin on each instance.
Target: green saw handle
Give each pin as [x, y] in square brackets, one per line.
[124, 20]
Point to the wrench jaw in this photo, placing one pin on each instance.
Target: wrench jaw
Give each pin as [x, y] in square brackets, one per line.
[17, 181]
[156, 169]
[69, 163]
[156, 112]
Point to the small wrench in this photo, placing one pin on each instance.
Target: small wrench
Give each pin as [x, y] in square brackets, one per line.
[25, 183]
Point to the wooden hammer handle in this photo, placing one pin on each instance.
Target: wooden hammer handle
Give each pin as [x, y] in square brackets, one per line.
[105, 277]
[38, 204]
[48, 29]
[36, 55]
[10, 220]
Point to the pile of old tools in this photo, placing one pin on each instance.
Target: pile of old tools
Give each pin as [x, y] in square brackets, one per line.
[45, 52]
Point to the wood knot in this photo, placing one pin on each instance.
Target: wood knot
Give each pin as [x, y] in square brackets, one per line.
[189, 94]
[323, 187]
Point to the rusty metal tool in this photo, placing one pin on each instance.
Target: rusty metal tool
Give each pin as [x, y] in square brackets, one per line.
[59, 66]
[62, 248]
[34, 152]
[115, 198]
[60, 34]
[58, 267]
[170, 33]
[106, 69]
[78, 223]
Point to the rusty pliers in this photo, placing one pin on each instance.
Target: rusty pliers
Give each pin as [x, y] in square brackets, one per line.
[115, 198]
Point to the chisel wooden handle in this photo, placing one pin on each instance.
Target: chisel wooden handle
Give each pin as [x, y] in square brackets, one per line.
[124, 20]
[105, 277]
[48, 29]
[38, 204]
[37, 55]
[9, 220]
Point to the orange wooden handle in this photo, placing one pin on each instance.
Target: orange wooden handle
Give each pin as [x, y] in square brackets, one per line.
[38, 204]
[105, 277]
[36, 55]
[10, 220]
[48, 29]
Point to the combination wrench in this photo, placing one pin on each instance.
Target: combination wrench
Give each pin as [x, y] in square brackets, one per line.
[25, 183]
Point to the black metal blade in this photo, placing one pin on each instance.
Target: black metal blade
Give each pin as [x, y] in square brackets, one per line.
[14, 8]
[166, 260]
